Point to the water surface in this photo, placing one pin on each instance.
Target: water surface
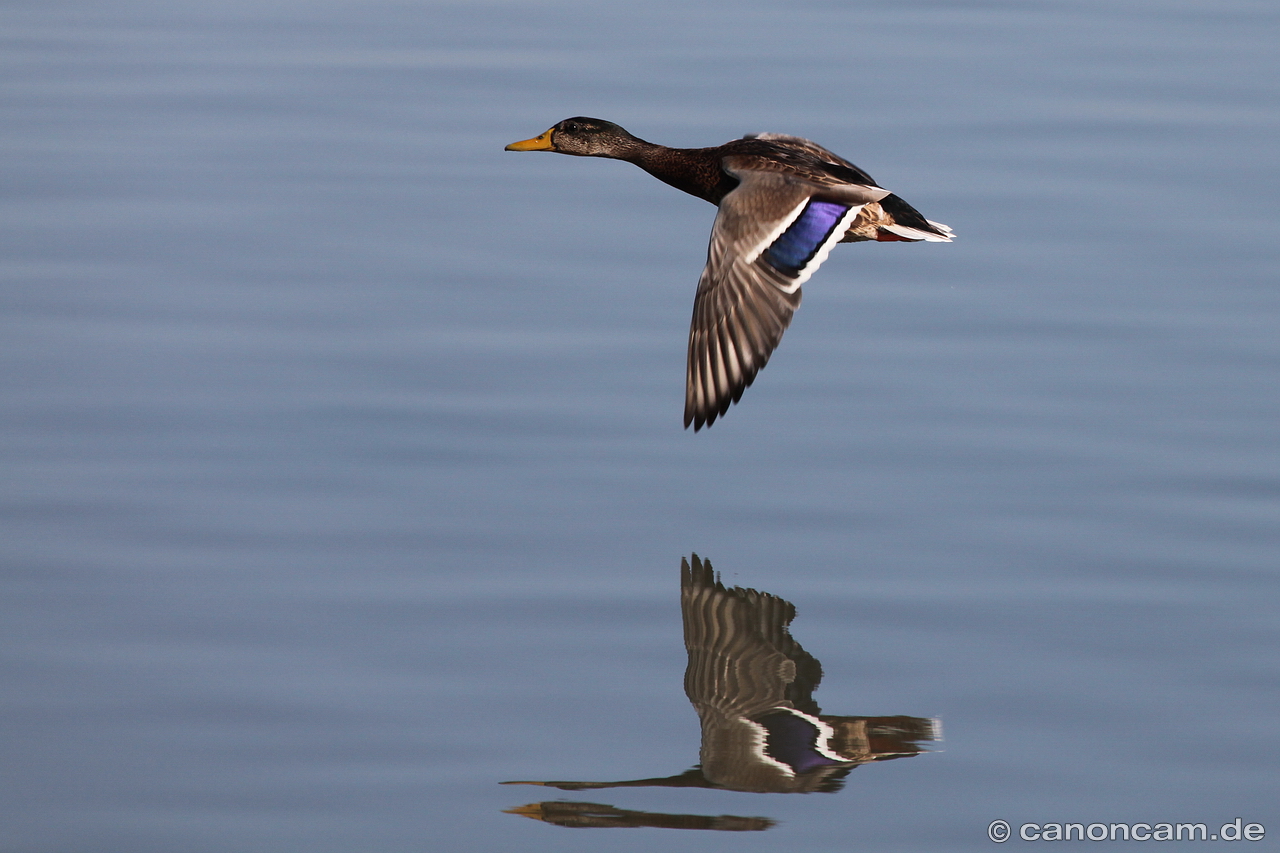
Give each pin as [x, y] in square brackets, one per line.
[343, 476]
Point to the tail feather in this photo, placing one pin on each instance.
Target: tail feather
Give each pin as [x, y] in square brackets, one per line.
[937, 233]
[907, 223]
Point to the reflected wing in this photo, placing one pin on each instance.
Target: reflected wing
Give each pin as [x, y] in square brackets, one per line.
[742, 659]
[769, 236]
[750, 683]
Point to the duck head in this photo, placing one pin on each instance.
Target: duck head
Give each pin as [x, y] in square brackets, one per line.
[582, 137]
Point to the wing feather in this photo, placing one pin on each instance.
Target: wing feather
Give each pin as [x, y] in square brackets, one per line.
[747, 293]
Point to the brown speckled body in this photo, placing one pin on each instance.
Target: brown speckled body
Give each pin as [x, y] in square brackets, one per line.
[702, 172]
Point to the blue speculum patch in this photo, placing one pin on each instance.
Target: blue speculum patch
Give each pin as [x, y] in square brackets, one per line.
[796, 246]
[793, 741]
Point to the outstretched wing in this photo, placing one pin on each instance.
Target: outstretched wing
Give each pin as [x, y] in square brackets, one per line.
[743, 661]
[752, 687]
[772, 231]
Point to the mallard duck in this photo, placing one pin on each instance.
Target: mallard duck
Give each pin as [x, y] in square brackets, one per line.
[784, 203]
[752, 685]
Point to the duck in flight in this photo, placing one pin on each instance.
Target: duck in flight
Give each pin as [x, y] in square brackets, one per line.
[783, 202]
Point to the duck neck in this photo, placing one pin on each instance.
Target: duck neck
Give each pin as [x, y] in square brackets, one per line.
[693, 170]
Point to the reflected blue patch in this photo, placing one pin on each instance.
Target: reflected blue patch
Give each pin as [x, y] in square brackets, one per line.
[796, 246]
[793, 740]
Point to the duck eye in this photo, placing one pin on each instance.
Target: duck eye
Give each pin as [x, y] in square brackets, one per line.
[571, 125]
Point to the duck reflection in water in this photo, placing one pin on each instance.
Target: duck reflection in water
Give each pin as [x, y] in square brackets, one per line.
[752, 685]
[595, 815]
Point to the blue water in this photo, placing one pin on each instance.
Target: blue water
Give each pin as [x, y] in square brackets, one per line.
[342, 475]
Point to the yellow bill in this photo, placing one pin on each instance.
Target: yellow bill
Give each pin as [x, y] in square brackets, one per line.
[533, 810]
[541, 142]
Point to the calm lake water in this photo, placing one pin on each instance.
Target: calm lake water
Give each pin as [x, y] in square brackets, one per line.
[343, 479]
